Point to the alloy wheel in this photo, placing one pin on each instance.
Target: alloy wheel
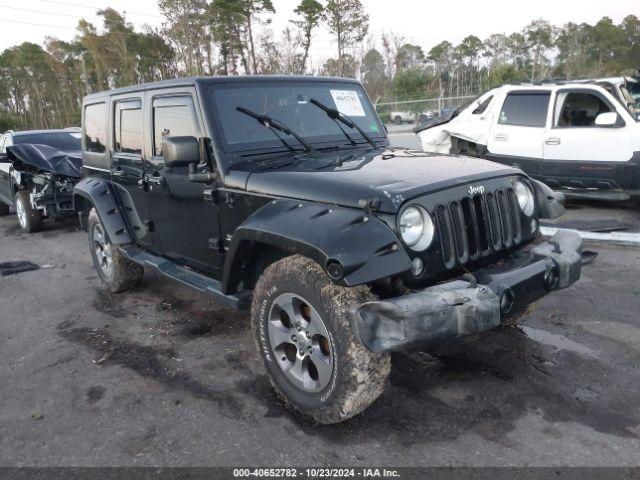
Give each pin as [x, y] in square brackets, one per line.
[102, 249]
[300, 343]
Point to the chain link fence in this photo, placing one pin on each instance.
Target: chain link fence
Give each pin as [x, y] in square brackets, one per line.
[415, 111]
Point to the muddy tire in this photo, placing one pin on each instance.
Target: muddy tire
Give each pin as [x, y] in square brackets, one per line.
[4, 209]
[117, 273]
[29, 219]
[315, 363]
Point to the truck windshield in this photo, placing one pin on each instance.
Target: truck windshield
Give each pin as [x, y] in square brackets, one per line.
[289, 103]
[67, 141]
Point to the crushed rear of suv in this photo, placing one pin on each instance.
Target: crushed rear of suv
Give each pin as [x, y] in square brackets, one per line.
[282, 195]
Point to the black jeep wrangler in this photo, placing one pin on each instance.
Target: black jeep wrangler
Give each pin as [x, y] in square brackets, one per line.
[282, 194]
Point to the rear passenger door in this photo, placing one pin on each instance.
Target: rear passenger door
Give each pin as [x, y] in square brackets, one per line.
[128, 164]
[517, 135]
[186, 225]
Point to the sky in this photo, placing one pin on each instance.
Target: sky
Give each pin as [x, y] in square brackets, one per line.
[422, 22]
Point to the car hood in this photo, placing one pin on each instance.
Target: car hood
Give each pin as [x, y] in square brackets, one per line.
[391, 175]
[46, 159]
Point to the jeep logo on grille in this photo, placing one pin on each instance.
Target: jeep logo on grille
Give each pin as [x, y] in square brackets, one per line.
[476, 190]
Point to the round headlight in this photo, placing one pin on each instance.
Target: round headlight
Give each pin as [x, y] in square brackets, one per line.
[525, 198]
[416, 228]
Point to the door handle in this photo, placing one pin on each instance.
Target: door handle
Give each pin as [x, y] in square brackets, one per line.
[117, 173]
[553, 141]
[501, 137]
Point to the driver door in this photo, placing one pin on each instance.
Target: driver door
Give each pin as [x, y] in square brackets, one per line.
[186, 224]
[578, 153]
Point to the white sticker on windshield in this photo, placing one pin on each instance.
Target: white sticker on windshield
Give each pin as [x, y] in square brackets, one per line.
[348, 103]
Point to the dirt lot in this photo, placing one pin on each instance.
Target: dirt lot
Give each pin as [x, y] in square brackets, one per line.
[161, 376]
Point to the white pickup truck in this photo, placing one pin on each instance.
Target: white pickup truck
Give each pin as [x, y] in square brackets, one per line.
[575, 137]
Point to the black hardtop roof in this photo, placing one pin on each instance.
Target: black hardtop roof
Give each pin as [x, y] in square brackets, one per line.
[192, 81]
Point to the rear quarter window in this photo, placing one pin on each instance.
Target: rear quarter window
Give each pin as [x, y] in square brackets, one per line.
[525, 109]
[94, 127]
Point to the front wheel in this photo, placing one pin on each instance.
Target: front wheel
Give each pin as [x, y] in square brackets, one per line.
[315, 363]
[117, 272]
[29, 218]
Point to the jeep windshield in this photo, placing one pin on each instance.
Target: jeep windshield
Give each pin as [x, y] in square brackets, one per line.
[288, 102]
[65, 141]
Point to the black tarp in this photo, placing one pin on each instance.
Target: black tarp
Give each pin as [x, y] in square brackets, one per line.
[46, 159]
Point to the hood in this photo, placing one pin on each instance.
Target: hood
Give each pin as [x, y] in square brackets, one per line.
[390, 175]
[46, 159]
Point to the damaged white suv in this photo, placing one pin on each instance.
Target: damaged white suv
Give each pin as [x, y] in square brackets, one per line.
[575, 137]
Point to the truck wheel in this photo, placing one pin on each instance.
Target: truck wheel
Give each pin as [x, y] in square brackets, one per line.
[316, 364]
[4, 209]
[117, 272]
[30, 219]
[397, 120]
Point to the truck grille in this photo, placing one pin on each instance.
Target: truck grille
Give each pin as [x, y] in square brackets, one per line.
[475, 227]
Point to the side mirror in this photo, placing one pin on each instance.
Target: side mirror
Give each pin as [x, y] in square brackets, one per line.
[180, 151]
[608, 119]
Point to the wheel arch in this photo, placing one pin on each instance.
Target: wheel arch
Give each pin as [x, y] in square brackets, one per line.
[99, 194]
[358, 246]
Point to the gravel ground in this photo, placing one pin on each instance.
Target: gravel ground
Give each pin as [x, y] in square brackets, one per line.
[162, 376]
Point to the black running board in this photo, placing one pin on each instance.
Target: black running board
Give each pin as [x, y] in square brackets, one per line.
[188, 277]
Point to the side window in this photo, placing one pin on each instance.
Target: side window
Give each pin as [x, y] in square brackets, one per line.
[94, 127]
[525, 109]
[578, 109]
[173, 116]
[128, 127]
[480, 109]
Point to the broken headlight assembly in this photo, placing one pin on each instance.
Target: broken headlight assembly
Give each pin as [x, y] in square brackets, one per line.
[416, 228]
[526, 200]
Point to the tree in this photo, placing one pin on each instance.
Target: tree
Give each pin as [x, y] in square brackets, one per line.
[348, 22]
[310, 13]
[344, 67]
[249, 9]
[605, 46]
[540, 38]
[572, 44]
[374, 74]
[410, 57]
[186, 27]
[441, 56]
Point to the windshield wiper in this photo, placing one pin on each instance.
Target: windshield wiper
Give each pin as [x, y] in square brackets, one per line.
[341, 117]
[276, 125]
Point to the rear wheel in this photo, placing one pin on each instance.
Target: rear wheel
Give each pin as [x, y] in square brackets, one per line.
[117, 272]
[316, 364]
[398, 120]
[29, 218]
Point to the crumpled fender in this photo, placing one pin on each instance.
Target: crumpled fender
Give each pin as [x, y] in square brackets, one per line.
[99, 193]
[363, 246]
[550, 203]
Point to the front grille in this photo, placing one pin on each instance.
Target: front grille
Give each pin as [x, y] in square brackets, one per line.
[475, 227]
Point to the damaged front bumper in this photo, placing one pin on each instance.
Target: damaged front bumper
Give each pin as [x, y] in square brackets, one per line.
[465, 307]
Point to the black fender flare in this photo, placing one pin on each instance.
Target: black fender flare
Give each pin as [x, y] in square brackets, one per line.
[550, 203]
[99, 193]
[354, 247]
